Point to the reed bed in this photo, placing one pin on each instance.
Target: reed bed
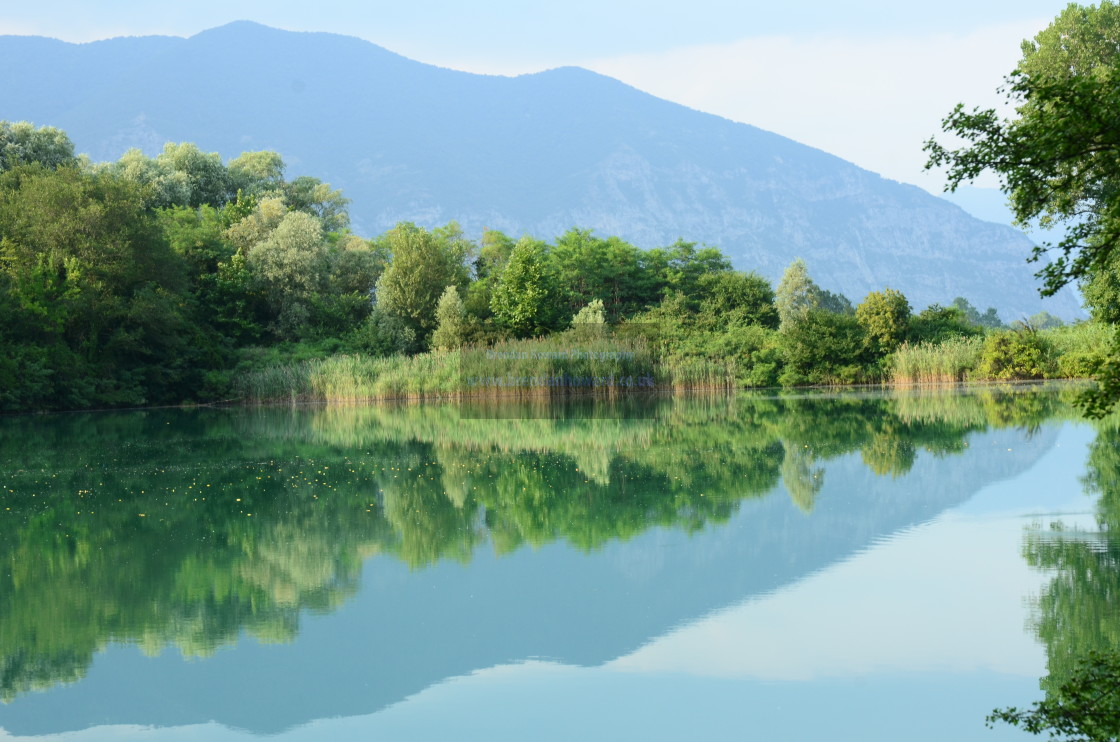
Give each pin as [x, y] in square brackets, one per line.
[563, 366]
[947, 362]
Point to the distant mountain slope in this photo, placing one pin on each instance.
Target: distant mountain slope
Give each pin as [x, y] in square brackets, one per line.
[537, 153]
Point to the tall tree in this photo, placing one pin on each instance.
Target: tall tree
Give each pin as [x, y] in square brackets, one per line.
[796, 295]
[525, 299]
[419, 272]
[450, 321]
[1058, 157]
[885, 317]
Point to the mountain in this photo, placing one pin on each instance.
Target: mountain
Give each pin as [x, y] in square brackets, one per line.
[536, 153]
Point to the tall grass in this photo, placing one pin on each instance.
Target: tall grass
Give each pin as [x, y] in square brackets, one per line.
[558, 366]
[947, 362]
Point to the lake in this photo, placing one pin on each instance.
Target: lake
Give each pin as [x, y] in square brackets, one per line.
[857, 566]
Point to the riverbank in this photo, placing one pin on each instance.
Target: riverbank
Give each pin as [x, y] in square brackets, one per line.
[612, 365]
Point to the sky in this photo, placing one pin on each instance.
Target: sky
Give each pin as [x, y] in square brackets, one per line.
[867, 80]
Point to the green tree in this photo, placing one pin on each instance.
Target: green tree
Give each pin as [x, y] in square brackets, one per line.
[589, 267]
[290, 266]
[524, 300]
[822, 348]
[318, 199]
[208, 180]
[989, 319]
[836, 303]
[1058, 157]
[885, 317]
[257, 172]
[733, 297]
[683, 267]
[936, 323]
[419, 272]
[450, 321]
[1101, 291]
[796, 294]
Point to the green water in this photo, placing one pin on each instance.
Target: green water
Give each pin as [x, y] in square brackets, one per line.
[861, 566]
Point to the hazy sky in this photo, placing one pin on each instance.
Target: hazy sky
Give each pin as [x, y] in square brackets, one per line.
[867, 80]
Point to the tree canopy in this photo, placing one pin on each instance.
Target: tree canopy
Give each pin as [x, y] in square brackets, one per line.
[1058, 156]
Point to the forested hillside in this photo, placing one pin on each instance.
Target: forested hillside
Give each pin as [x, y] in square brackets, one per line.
[536, 154]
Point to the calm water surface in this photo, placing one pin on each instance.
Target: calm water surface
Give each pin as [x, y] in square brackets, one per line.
[856, 567]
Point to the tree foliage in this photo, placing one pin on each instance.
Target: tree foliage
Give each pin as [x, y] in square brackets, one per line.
[796, 294]
[525, 297]
[421, 269]
[21, 143]
[885, 317]
[450, 321]
[1058, 156]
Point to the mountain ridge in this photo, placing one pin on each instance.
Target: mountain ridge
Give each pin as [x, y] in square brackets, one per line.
[536, 153]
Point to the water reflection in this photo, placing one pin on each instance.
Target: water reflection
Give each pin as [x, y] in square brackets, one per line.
[1078, 612]
[189, 528]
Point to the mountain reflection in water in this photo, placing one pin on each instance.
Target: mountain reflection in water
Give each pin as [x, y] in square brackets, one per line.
[476, 541]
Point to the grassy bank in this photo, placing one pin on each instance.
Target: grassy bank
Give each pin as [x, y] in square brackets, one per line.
[557, 366]
[1070, 352]
[613, 365]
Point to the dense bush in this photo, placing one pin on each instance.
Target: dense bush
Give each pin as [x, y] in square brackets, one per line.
[824, 348]
[1015, 354]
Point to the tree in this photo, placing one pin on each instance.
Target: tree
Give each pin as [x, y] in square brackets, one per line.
[419, 272]
[257, 172]
[592, 314]
[290, 265]
[524, 300]
[164, 187]
[450, 321]
[823, 348]
[682, 267]
[733, 297]
[836, 303]
[1085, 707]
[885, 317]
[936, 323]
[22, 144]
[589, 267]
[209, 181]
[1101, 291]
[317, 198]
[989, 319]
[796, 294]
[1058, 157]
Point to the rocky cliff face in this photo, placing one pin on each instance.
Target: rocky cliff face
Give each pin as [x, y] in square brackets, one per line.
[536, 153]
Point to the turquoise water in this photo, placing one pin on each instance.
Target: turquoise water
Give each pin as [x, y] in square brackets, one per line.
[862, 566]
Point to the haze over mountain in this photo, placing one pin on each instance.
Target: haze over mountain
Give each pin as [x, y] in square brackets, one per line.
[532, 154]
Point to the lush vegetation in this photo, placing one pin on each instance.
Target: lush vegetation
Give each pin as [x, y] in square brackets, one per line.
[182, 278]
[1057, 159]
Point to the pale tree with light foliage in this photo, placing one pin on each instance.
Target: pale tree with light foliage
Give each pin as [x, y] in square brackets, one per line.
[289, 266]
[594, 313]
[796, 294]
[451, 321]
[21, 143]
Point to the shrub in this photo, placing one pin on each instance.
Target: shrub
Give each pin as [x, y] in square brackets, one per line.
[824, 348]
[1014, 354]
